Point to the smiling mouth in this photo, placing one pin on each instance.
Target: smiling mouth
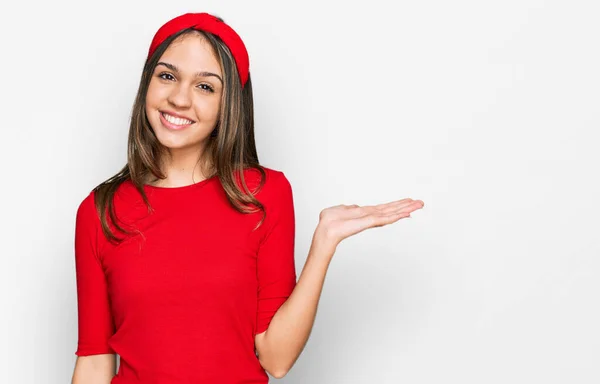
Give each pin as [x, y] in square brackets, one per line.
[175, 122]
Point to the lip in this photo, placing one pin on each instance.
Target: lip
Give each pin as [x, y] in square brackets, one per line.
[176, 115]
[171, 125]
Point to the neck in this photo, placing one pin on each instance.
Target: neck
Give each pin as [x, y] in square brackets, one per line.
[182, 167]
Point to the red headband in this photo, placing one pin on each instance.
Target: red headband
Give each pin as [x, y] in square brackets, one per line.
[208, 23]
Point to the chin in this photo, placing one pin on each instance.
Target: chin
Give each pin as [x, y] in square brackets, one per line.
[180, 144]
[171, 144]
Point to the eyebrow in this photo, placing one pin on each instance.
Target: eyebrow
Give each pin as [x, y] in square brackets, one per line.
[197, 74]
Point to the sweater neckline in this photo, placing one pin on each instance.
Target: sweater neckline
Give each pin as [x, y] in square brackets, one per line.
[182, 188]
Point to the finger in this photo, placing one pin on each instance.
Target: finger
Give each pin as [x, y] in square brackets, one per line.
[379, 220]
[404, 205]
[393, 203]
[382, 220]
[407, 205]
[409, 208]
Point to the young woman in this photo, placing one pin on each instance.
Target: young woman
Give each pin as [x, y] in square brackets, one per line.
[185, 258]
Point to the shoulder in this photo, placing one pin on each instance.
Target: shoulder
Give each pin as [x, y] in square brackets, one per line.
[87, 207]
[275, 182]
[87, 220]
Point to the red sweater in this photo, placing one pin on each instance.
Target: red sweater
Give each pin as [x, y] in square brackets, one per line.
[182, 299]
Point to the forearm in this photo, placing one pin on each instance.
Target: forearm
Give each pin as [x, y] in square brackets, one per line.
[291, 325]
[94, 369]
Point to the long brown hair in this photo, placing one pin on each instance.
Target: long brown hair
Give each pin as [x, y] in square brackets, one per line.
[230, 150]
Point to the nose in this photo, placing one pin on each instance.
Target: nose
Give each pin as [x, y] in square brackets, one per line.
[180, 96]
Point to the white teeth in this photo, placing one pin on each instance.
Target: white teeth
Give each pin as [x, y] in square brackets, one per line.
[176, 120]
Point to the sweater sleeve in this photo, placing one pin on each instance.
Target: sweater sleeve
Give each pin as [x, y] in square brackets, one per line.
[276, 269]
[95, 325]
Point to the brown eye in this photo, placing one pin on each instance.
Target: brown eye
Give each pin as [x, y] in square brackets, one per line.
[162, 76]
[206, 87]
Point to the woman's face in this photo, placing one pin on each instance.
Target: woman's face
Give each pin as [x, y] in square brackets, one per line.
[184, 95]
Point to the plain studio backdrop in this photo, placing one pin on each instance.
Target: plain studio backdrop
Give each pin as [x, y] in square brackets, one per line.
[485, 110]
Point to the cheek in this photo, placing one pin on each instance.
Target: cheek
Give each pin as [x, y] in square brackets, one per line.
[208, 109]
[149, 109]
[151, 95]
[156, 94]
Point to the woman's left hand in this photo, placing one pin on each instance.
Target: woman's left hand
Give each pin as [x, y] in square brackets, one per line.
[342, 221]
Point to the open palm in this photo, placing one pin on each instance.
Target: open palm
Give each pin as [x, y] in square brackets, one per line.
[342, 221]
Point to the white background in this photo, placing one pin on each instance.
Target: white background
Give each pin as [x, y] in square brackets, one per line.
[485, 110]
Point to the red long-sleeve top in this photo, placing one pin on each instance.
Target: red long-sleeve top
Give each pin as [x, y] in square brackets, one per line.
[181, 300]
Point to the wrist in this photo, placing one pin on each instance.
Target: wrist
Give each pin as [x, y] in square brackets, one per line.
[323, 241]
